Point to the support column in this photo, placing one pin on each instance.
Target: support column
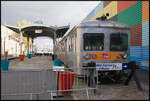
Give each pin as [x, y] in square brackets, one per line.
[54, 42]
[28, 45]
[4, 47]
[21, 35]
[32, 45]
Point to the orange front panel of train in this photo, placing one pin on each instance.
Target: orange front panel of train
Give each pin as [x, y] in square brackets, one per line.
[106, 55]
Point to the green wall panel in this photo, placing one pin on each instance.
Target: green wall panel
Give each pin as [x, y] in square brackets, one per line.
[132, 15]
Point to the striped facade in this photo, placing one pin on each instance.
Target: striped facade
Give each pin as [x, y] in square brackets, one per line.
[136, 15]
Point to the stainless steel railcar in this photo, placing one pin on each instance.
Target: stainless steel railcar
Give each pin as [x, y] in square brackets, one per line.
[105, 43]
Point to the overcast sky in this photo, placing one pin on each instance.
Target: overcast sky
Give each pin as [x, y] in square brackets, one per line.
[52, 13]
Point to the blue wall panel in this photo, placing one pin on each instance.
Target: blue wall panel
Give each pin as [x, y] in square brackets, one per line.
[144, 68]
[138, 60]
[135, 51]
[98, 8]
[145, 33]
[139, 54]
[136, 54]
[145, 53]
[91, 15]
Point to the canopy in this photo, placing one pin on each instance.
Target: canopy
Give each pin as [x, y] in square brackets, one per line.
[36, 30]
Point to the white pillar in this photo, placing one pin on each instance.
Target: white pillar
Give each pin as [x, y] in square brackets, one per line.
[21, 35]
[54, 42]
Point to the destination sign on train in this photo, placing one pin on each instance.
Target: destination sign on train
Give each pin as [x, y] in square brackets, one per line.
[109, 66]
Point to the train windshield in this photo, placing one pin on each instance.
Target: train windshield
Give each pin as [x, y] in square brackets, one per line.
[118, 42]
[93, 41]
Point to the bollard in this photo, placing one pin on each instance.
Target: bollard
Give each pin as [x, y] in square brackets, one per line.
[4, 65]
[21, 57]
[29, 56]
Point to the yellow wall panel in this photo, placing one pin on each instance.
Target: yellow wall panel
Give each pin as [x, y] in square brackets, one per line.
[145, 11]
[111, 9]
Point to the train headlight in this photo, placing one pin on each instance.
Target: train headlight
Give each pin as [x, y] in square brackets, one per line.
[94, 56]
[124, 56]
[119, 56]
[87, 56]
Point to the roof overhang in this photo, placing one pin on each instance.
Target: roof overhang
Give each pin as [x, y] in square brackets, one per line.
[30, 30]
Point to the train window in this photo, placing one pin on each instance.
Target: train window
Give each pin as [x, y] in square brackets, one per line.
[93, 41]
[118, 42]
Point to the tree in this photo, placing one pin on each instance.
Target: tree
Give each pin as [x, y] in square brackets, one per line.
[22, 23]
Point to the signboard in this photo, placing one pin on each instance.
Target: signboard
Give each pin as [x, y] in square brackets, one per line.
[58, 68]
[38, 31]
[108, 66]
[111, 66]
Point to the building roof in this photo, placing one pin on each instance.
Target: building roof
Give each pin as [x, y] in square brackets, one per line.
[36, 30]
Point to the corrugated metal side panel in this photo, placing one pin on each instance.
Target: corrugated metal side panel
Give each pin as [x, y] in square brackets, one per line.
[122, 5]
[106, 3]
[98, 8]
[145, 53]
[111, 9]
[136, 35]
[145, 11]
[132, 15]
[145, 33]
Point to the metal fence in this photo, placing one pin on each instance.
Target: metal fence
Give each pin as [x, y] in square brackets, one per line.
[47, 83]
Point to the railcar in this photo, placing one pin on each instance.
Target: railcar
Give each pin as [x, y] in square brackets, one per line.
[102, 42]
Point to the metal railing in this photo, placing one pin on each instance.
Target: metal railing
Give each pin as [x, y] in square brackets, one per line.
[47, 83]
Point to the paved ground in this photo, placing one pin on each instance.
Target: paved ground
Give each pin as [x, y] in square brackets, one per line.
[105, 91]
[39, 62]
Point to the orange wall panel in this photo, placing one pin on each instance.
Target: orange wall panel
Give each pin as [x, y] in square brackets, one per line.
[122, 5]
[145, 11]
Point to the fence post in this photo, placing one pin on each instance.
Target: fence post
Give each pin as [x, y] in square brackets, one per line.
[37, 96]
[87, 93]
[31, 96]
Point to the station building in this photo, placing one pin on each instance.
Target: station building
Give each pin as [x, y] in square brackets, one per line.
[10, 43]
[136, 15]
